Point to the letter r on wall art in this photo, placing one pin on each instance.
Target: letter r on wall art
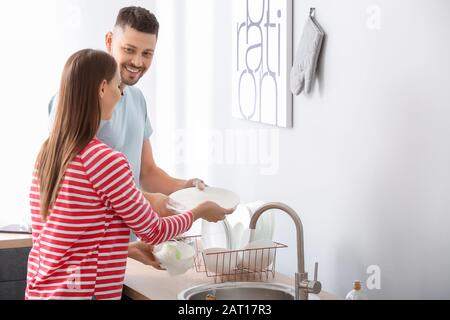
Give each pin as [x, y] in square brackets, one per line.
[262, 59]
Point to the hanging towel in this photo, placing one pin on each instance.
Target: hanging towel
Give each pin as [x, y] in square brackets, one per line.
[305, 63]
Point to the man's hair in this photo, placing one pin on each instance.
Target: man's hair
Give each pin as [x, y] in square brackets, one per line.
[139, 19]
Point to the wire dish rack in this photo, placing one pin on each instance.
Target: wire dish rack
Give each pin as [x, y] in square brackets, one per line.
[256, 263]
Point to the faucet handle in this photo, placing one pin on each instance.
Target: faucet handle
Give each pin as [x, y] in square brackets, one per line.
[312, 286]
[315, 286]
[316, 271]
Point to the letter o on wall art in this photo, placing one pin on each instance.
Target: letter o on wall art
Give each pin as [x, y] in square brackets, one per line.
[262, 59]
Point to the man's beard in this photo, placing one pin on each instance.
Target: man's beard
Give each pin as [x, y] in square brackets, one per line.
[130, 83]
[126, 79]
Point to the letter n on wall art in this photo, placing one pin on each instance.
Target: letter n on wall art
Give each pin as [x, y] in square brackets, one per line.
[262, 60]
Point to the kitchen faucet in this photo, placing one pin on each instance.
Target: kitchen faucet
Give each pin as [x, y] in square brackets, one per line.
[303, 286]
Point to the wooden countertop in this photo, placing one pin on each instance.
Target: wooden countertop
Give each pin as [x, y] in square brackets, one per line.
[15, 240]
[146, 283]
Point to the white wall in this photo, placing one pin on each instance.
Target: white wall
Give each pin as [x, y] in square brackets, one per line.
[373, 150]
[37, 39]
[366, 165]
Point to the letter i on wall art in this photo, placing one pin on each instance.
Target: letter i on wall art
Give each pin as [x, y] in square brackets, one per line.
[262, 60]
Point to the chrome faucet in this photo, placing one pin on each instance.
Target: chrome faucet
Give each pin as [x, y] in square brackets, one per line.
[303, 286]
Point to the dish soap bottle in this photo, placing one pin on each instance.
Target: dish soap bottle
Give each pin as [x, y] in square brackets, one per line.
[356, 293]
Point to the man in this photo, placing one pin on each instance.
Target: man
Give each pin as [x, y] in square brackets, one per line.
[133, 43]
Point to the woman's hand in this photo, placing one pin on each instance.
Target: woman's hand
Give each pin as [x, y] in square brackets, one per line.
[210, 212]
[195, 183]
[161, 204]
[143, 253]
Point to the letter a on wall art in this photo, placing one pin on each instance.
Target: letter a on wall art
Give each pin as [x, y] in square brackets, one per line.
[262, 60]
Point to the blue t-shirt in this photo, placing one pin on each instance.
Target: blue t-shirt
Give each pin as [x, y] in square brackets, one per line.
[127, 130]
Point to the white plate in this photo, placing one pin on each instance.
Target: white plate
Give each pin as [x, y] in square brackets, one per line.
[239, 222]
[192, 197]
[221, 261]
[239, 225]
[259, 255]
[216, 235]
[266, 222]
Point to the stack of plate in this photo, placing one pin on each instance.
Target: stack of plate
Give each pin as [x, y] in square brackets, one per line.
[214, 235]
[233, 232]
[239, 223]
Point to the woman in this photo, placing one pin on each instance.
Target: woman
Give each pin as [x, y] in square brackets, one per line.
[83, 197]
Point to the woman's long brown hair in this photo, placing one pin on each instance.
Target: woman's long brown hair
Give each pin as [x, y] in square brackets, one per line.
[77, 119]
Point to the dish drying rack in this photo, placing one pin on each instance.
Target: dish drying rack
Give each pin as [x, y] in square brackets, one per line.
[255, 264]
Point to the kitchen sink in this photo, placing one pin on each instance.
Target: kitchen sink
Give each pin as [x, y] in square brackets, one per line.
[239, 291]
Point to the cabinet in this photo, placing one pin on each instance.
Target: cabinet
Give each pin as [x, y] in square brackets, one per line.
[13, 273]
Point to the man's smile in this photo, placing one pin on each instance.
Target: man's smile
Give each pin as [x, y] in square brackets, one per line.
[134, 71]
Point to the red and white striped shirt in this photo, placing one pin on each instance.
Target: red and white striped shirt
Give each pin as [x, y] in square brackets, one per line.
[81, 250]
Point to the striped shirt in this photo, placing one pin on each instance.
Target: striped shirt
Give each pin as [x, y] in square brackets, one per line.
[81, 250]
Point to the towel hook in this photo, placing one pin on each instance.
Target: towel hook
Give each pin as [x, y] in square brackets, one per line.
[312, 12]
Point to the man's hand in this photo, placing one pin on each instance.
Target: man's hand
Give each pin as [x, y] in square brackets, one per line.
[197, 183]
[143, 253]
[161, 204]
